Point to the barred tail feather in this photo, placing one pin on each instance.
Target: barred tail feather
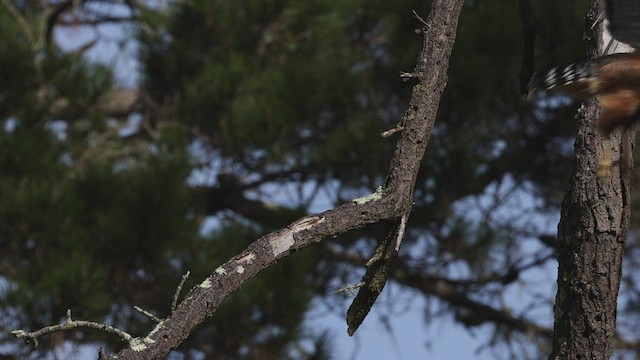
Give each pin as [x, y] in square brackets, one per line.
[573, 79]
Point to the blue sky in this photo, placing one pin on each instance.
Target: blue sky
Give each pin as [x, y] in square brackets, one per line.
[409, 338]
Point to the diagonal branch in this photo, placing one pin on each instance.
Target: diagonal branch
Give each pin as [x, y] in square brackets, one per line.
[394, 201]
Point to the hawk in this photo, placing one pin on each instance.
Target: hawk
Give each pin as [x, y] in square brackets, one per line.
[614, 80]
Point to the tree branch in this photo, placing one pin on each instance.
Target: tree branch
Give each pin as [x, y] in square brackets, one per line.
[375, 278]
[72, 324]
[392, 202]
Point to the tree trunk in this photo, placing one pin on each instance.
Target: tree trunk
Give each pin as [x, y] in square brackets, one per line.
[591, 234]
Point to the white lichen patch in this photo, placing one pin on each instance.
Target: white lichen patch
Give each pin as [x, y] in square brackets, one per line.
[246, 258]
[137, 344]
[377, 195]
[206, 284]
[240, 269]
[281, 243]
[221, 271]
[157, 328]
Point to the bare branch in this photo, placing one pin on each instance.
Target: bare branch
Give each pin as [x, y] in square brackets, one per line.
[390, 132]
[393, 201]
[71, 324]
[374, 280]
[178, 290]
[147, 314]
[349, 290]
[420, 18]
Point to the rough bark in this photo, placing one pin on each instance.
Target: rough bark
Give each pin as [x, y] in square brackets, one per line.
[591, 235]
[392, 201]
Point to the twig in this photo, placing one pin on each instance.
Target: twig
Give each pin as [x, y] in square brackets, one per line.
[390, 132]
[68, 325]
[408, 75]
[147, 314]
[174, 303]
[349, 289]
[420, 18]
